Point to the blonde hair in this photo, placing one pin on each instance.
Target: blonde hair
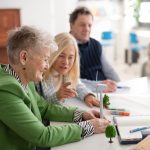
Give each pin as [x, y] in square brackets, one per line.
[63, 40]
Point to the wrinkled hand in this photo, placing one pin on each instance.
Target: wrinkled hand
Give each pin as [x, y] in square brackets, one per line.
[111, 86]
[91, 101]
[91, 115]
[99, 125]
[66, 92]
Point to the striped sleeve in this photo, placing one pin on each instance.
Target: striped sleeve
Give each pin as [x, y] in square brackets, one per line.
[87, 127]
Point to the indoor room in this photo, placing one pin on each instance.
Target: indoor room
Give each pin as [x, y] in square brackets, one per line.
[74, 74]
[114, 23]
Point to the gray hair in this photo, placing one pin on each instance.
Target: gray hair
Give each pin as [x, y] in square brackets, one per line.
[28, 38]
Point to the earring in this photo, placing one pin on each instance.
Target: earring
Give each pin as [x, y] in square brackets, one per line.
[23, 68]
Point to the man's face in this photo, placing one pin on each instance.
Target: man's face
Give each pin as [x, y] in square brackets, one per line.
[81, 28]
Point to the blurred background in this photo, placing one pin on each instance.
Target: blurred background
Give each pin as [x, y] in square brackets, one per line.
[122, 27]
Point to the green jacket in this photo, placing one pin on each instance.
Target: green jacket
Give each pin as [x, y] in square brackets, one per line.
[21, 114]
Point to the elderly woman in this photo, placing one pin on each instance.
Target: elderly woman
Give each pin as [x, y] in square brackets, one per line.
[22, 109]
[62, 79]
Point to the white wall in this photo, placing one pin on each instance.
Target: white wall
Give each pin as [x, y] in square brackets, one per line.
[51, 15]
[62, 10]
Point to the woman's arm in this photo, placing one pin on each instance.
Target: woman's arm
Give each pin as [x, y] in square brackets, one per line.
[20, 114]
[87, 95]
[82, 90]
[109, 71]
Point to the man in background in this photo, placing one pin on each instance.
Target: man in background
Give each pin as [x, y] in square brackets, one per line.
[93, 64]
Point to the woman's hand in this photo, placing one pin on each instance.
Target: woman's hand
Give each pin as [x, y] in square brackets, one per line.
[91, 101]
[66, 92]
[99, 125]
[90, 115]
[111, 86]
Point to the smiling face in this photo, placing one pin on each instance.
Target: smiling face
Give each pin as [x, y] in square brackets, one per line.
[65, 60]
[36, 65]
[81, 28]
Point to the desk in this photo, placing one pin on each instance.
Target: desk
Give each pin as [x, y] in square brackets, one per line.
[136, 99]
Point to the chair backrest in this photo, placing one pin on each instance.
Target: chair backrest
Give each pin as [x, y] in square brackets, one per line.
[107, 35]
[107, 38]
[134, 42]
[133, 38]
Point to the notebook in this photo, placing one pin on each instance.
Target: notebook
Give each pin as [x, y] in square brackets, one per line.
[126, 123]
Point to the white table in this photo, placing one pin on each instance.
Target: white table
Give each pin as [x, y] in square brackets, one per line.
[136, 100]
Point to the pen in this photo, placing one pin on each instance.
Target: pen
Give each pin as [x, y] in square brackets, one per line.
[120, 113]
[101, 98]
[101, 105]
[101, 88]
[139, 129]
[122, 87]
[96, 86]
[119, 109]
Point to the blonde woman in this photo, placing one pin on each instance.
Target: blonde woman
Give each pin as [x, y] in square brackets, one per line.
[62, 79]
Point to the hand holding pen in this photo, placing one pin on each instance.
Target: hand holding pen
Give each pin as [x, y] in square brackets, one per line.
[99, 124]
